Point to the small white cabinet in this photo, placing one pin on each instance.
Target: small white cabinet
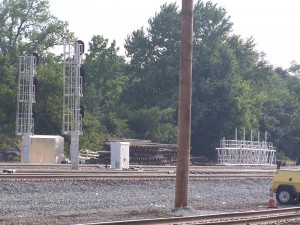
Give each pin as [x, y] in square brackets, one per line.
[119, 155]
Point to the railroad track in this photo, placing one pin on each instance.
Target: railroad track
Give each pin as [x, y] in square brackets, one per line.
[274, 216]
[117, 176]
[145, 168]
[50, 172]
[218, 167]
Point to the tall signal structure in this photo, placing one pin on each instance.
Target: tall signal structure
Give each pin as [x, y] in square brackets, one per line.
[73, 90]
[25, 100]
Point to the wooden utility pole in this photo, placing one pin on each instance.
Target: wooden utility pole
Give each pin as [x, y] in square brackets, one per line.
[185, 102]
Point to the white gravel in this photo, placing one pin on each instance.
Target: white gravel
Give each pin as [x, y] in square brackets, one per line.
[70, 202]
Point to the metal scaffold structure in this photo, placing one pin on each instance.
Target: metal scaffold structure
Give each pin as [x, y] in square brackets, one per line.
[25, 100]
[72, 111]
[242, 152]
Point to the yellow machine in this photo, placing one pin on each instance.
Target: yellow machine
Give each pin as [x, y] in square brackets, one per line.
[286, 185]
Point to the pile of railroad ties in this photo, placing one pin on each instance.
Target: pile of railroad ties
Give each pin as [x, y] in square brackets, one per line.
[141, 152]
[144, 152]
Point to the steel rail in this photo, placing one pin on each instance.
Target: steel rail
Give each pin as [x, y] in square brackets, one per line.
[235, 218]
[58, 168]
[138, 176]
[67, 168]
[143, 171]
[218, 167]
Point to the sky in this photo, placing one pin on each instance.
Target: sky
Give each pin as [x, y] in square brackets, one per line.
[274, 24]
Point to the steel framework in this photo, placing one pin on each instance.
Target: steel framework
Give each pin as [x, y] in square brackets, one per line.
[241, 152]
[72, 119]
[25, 99]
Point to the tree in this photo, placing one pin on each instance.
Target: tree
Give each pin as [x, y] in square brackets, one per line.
[294, 69]
[27, 26]
[105, 82]
[104, 75]
[155, 64]
[286, 116]
[227, 74]
[49, 95]
[8, 101]
[94, 133]
[154, 124]
[154, 57]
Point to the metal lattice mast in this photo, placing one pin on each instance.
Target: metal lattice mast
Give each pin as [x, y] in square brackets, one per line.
[25, 100]
[71, 100]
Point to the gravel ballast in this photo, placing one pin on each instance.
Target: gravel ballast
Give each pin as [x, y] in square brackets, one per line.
[71, 202]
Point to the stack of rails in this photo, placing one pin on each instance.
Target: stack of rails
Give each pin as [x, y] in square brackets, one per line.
[143, 152]
[102, 158]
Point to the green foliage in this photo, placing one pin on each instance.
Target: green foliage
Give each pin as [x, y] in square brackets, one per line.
[28, 26]
[94, 133]
[104, 84]
[154, 61]
[8, 100]
[49, 94]
[286, 119]
[154, 124]
[116, 125]
[233, 86]
[219, 90]
[104, 75]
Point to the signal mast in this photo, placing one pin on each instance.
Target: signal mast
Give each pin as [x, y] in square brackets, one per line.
[73, 90]
[25, 100]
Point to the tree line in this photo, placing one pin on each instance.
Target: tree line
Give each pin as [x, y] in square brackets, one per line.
[136, 96]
